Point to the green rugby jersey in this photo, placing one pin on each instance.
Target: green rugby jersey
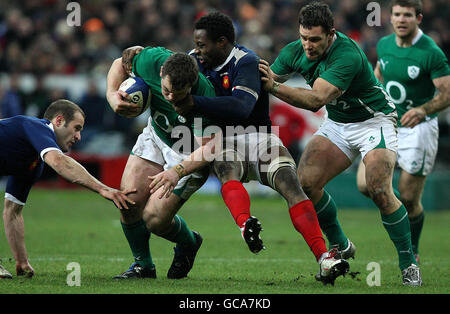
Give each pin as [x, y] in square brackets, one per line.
[345, 66]
[147, 65]
[408, 72]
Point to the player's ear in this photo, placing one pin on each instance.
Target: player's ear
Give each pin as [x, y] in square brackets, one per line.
[332, 32]
[419, 18]
[160, 71]
[59, 120]
[222, 41]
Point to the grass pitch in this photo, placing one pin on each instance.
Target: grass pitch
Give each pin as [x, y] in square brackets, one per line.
[62, 227]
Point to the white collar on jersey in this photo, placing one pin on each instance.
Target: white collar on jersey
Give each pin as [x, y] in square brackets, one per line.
[50, 125]
[231, 55]
[417, 37]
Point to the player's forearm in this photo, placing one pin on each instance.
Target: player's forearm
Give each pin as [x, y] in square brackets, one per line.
[225, 108]
[298, 97]
[15, 230]
[200, 158]
[116, 75]
[74, 172]
[438, 103]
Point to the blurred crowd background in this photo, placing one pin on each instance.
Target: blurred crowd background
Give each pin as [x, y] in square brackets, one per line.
[42, 58]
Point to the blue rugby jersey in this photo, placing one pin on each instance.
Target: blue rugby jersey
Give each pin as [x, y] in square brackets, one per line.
[237, 82]
[24, 141]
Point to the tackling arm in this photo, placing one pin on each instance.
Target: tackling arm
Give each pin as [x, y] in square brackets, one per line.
[321, 93]
[200, 158]
[74, 172]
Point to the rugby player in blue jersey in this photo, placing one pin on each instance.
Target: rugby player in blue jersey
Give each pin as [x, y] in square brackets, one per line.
[27, 143]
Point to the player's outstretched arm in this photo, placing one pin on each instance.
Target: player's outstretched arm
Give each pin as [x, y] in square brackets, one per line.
[74, 172]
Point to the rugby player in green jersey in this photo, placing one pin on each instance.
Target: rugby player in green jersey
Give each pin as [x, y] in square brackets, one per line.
[170, 77]
[361, 121]
[264, 159]
[411, 67]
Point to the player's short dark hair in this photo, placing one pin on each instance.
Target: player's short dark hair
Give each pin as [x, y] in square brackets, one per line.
[64, 107]
[416, 4]
[316, 14]
[217, 25]
[182, 70]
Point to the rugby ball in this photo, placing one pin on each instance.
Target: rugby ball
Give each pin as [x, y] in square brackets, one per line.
[139, 93]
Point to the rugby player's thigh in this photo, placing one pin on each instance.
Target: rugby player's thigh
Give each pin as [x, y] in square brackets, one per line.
[321, 161]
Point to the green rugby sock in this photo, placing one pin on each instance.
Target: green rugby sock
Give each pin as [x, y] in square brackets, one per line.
[138, 237]
[397, 226]
[181, 234]
[416, 224]
[326, 210]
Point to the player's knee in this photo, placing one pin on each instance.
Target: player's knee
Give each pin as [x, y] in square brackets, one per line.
[156, 224]
[285, 181]
[228, 170]
[381, 196]
[309, 185]
[411, 202]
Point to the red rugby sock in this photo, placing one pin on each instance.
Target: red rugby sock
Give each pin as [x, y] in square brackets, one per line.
[304, 218]
[237, 200]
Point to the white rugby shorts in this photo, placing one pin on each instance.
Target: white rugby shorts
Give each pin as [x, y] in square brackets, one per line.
[417, 147]
[361, 137]
[150, 147]
[251, 148]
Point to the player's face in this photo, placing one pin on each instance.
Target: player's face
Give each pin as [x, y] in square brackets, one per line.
[210, 53]
[315, 41]
[68, 134]
[405, 21]
[170, 94]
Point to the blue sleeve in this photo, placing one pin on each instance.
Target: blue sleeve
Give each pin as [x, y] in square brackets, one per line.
[40, 135]
[246, 86]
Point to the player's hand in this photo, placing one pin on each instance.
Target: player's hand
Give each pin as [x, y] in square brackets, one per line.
[120, 198]
[266, 75]
[121, 104]
[413, 117]
[127, 57]
[185, 106]
[167, 180]
[24, 269]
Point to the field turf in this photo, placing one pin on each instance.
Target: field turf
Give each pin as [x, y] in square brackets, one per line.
[79, 226]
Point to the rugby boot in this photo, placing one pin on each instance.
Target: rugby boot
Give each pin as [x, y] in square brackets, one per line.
[183, 261]
[251, 231]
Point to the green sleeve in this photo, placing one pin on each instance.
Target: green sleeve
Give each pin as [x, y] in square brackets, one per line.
[284, 63]
[438, 64]
[342, 69]
[148, 62]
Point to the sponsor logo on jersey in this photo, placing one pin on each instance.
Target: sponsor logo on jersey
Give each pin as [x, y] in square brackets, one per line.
[383, 64]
